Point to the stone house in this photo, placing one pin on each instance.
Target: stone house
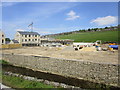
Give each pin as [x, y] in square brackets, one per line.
[2, 37]
[28, 38]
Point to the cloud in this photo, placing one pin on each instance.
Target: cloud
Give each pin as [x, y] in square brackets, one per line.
[72, 15]
[49, 9]
[20, 30]
[10, 26]
[101, 21]
[60, 0]
[45, 32]
[6, 4]
[40, 0]
[41, 31]
[73, 0]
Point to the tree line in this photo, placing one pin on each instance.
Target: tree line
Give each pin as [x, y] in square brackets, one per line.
[86, 30]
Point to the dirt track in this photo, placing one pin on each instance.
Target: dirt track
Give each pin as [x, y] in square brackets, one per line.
[68, 53]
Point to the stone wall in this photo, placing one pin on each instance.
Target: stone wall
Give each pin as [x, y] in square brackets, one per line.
[96, 72]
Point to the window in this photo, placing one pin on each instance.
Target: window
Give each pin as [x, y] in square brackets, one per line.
[2, 41]
[35, 35]
[29, 39]
[25, 35]
[26, 40]
[35, 39]
[2, 35]
[22, 40]
[29, 35]
[32, 39]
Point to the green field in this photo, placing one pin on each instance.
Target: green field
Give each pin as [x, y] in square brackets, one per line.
[91, 36]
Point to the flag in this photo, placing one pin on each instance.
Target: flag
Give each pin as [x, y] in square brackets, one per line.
[30, 24]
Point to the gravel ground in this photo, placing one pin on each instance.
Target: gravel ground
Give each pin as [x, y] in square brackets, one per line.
[68, 52]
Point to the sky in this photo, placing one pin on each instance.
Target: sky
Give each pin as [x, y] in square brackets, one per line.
[57, 17]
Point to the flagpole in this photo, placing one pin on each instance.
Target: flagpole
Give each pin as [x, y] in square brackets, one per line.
[32, 28]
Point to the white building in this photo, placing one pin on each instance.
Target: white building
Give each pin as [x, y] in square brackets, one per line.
[2, 38]
[28, 38]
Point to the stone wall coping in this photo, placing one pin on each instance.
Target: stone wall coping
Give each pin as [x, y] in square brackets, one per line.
[74, 60]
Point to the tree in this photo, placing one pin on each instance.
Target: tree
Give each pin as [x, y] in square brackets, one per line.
[106, 27]
[7, 39]
[89, 29]
[95, 29]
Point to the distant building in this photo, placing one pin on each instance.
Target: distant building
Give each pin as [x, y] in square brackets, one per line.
[56, 42]
[28, 38]
[49, 41]
[2, 37]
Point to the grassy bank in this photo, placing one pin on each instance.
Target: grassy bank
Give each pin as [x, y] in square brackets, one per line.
[91, 36]
[3, 62]
[17, 82]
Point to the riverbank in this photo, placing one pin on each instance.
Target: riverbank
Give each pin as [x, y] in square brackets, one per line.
[17, 82]
[11, 81]
[50, 79]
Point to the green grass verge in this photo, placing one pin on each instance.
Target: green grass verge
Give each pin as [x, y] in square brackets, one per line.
[3, 62]
[17, 82]
[91, 36]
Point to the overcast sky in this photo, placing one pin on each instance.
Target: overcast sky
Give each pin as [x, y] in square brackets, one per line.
[56, 17]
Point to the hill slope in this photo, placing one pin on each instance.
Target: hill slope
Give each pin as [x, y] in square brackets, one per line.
[91, 36]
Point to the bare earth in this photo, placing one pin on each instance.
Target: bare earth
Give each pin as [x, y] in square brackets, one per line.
[89, 54]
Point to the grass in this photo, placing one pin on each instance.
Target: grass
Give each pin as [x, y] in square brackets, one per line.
[17, 82]
[3, 62]
[91, 36]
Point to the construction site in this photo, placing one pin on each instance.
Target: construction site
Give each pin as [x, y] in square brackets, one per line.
[72, 63]
[90, 53]
[95, 63]
[60, 45]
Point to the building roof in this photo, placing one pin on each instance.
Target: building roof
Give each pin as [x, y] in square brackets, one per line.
[15, 41]
[28, 33]
[7, 42]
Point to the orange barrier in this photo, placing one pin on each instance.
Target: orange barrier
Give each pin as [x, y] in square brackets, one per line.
[112, 43]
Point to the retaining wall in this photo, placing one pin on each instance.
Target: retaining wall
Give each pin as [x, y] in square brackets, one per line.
[96, 72]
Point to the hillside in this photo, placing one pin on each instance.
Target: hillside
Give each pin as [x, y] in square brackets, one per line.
[91, 36]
